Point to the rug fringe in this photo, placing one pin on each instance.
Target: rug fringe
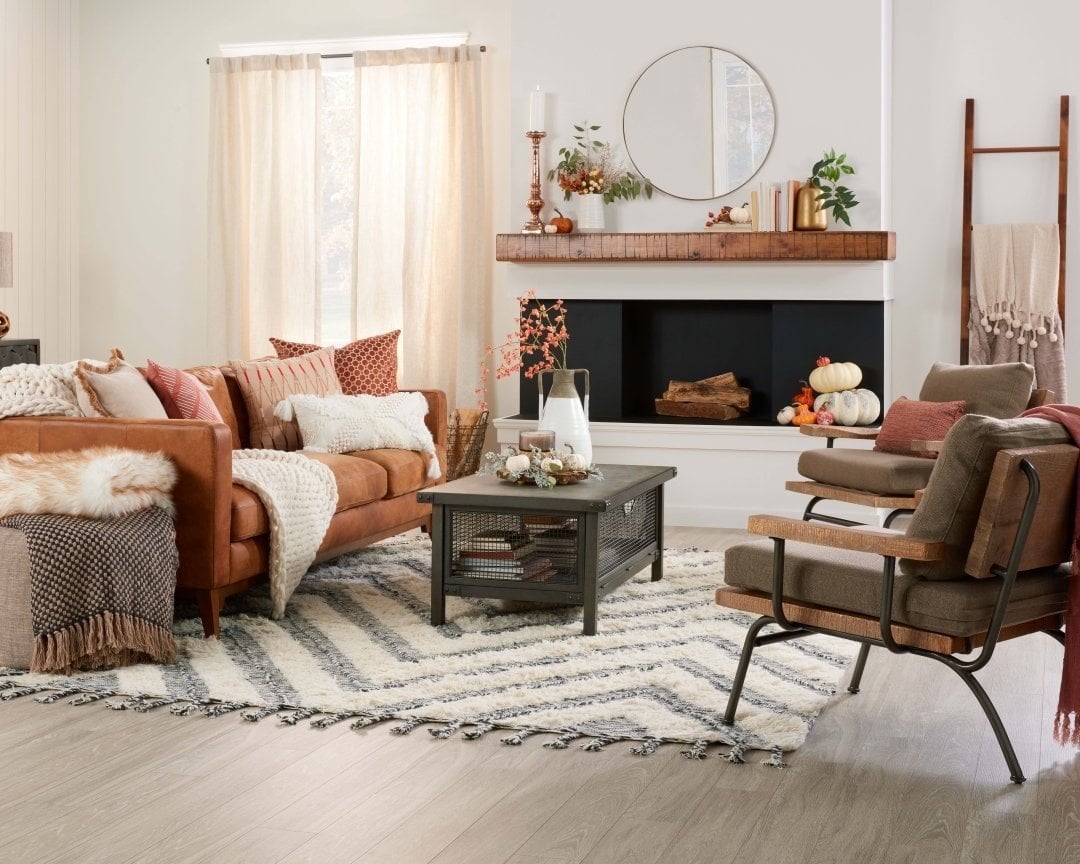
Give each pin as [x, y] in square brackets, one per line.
[370, 720]
[408, 726]
[647, 747]
[776, 759]
[331, 719]
[563, 741]
[735, 754]
[297, 715]
[256, 714]
[598, 743]
[697, 750]
[519, 737]
[479, 729]
[447, 731]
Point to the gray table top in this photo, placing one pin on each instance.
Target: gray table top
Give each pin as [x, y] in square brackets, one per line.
[620, 484]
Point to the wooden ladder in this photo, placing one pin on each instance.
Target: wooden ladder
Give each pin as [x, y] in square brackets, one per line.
[970, 151]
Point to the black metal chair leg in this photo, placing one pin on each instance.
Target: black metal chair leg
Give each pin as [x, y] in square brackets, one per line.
[1016, 774]
[1056, 635]
[744, 663]
[808, 512]
[860, 665]
[892, 517]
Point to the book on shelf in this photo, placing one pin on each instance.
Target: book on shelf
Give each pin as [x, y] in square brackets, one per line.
[772, 205]
[497, 539]
[500, 554]
[526, 568]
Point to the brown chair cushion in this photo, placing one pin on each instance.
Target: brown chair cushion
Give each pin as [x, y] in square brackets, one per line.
[866, 470]
[911, 420]
[950, 507]
[851, 581]
[1001, 390]
[406, 470]
[359, 481]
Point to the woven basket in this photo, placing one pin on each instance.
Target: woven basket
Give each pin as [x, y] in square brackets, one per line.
[466, 443]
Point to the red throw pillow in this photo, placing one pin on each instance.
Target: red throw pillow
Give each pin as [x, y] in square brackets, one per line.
[909, 420]
[366, 366]
[181, 394]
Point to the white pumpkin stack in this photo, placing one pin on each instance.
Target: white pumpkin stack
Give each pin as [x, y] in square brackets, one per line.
[841, 396]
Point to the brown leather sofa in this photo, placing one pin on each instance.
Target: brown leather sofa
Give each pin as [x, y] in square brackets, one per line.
[222, 530]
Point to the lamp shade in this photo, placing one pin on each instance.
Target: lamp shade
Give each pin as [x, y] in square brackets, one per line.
[6, 260]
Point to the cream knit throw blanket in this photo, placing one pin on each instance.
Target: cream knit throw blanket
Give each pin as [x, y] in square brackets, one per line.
[29, 390]
[300, 496]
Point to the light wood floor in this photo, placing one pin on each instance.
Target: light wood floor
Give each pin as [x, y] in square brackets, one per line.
[908, 770]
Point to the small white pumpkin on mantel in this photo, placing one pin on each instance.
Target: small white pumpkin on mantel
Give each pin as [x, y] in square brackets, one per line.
[831, 377]
[740, 214]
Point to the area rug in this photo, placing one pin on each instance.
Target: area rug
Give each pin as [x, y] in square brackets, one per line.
[356, 645]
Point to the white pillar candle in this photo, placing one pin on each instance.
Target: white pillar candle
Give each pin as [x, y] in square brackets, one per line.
[536, 110]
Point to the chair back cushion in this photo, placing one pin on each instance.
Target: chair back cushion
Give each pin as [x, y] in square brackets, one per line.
[949, 509]
[1001, 390]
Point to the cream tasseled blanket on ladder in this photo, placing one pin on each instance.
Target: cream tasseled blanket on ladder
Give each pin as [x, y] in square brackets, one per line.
[1014, 313]
[300, 496]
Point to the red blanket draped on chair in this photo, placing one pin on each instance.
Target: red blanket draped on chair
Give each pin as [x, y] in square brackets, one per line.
[1067, 722]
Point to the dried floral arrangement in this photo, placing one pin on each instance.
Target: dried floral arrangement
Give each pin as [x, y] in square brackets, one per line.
[541, 337]
[591, 167]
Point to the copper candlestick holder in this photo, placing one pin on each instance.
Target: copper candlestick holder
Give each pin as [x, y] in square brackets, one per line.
[535, 202]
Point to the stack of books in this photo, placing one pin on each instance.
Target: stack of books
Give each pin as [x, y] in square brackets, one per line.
[772, 206]
[501, 554]
[558, 543]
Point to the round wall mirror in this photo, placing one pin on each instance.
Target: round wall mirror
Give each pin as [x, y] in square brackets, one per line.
[698, 122]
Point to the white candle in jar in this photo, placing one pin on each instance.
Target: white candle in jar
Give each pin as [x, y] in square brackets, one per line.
[536, 110]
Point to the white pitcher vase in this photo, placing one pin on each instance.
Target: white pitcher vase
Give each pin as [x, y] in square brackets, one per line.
[564, 412]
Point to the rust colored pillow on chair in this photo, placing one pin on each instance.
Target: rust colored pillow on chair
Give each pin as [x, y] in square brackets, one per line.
[909, 420]
[367, 366]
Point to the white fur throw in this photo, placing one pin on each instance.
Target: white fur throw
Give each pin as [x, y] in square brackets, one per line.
[340, 424]
[29, 390]
[96, 483]
[300, 496]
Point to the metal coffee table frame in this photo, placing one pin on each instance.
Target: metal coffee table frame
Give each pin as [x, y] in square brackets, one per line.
[618, 529]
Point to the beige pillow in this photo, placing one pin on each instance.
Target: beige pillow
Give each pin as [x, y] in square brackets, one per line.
[265, 383]
[115, 389]
[1000, 390]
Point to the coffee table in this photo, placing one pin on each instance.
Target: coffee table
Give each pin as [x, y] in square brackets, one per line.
[571, 544]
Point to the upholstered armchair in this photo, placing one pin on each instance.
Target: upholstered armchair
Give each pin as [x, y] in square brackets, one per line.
[981, 561]
[892, 481]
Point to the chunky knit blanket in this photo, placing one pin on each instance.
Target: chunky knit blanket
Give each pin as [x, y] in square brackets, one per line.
[300, 496]
[101, 590]
[29, 390]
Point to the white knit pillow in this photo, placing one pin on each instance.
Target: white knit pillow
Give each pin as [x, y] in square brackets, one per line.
[339, 424]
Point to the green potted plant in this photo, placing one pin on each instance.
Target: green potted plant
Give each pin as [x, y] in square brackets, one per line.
[591, 170]
[823, 192]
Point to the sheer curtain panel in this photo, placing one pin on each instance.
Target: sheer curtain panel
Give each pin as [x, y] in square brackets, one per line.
[421, 227]
[263, 202]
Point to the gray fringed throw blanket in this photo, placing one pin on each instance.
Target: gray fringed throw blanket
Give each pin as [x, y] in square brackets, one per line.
[101, 590]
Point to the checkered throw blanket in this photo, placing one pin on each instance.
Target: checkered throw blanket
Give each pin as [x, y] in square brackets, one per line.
[101, 590]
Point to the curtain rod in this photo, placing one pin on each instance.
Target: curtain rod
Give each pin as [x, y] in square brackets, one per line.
[483, 48]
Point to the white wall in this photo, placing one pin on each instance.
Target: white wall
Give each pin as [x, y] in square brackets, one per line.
[1015, 60]
[145, 137]
[38, 162]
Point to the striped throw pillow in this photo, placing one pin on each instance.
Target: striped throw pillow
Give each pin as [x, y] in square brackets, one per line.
[181, 394]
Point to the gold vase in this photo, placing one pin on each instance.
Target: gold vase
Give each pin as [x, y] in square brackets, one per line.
[808, 214]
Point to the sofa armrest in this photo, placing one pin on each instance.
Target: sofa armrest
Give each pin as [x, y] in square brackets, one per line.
[201, 452]
[438, 422]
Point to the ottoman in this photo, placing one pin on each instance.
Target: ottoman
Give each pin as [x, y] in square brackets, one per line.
[16, 629]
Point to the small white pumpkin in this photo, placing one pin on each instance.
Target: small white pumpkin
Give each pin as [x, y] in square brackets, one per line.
[517, 464]
[740, 214]
[786, 415]
[833, 377]
[869, 407]
[575, 462]
[551, 466]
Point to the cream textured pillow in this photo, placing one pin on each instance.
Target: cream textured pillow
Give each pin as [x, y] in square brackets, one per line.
[115, 389]
[341, 424]
[265, 383]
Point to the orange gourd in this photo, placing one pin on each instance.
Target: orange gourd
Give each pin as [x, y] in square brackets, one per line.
[803, 416]
[805, 396]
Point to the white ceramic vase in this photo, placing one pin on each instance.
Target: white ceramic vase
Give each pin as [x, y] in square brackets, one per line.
[590, 213]
[564, 412]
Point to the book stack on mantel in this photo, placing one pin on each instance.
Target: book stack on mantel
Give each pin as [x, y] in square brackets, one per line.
[503, 554]
[716, 398]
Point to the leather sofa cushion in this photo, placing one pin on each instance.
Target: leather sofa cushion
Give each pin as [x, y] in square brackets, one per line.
[1001, 390]
[359, 481]
[866, 470]
[851, 581]
[406, 470]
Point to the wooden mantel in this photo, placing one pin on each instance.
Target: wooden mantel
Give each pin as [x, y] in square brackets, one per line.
[699, 246]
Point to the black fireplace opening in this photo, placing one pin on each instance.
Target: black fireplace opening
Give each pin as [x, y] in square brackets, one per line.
[632, 348]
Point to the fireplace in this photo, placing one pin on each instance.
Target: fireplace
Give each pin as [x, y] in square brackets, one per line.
[632, 348]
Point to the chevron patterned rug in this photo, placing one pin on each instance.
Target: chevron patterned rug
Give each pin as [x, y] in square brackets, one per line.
[356, 646]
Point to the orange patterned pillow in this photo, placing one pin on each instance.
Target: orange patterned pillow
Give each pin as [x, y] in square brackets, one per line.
[909, 420]
[366, 366]
[265, 383]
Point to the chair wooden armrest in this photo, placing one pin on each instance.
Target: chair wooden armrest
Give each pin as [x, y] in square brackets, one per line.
[927, 446]
[859, 433]
[858, 538]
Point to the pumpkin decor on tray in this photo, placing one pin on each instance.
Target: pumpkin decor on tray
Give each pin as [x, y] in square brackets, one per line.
[544, 468]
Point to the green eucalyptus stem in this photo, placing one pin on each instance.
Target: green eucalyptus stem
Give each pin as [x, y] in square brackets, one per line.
[826, 175]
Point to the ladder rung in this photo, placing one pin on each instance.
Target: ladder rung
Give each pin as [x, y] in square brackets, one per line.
[1048, 149]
